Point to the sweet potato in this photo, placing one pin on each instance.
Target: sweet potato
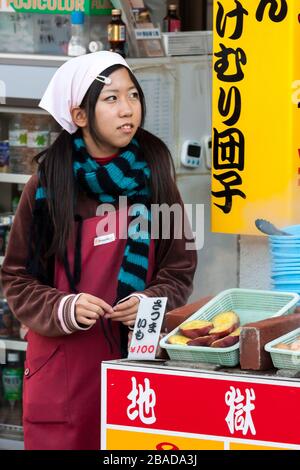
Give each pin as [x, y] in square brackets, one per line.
[223, 330]
[227, 341]
[202, 340]
[226, 317]
[224, 324]
[282, 346]
[178, 339]
[195, 328]
[295, 345]
[175, 317]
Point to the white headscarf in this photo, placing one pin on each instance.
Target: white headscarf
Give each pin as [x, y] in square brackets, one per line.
[70, 83]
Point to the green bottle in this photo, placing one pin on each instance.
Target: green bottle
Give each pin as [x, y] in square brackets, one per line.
[12, 379]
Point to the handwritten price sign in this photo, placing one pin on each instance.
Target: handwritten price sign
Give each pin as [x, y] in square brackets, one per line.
[147, 328]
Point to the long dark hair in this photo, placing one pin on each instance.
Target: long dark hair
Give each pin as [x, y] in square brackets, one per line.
[56, 170]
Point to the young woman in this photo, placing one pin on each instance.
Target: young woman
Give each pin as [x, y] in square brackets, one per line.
[76, 287]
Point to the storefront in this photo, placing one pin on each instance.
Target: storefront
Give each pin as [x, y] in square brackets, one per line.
[226, 104]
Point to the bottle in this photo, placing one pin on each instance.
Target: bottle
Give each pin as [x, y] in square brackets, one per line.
[76, 44]
[116, 33]
[5, 329]
[4, 150]
[172, 22]
[12, 380]
[17, 144]
[38, 134]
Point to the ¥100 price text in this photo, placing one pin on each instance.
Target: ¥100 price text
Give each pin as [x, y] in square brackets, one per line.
[142, 349]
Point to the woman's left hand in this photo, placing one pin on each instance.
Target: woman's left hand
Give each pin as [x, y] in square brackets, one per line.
[125, 312]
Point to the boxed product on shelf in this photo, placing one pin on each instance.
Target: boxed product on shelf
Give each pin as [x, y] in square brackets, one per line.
[29, 134]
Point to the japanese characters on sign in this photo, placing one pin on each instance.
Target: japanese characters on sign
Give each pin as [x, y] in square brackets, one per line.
[239, 416]
[147, 328]
[230, 157]
[212, 411]
[143, 400]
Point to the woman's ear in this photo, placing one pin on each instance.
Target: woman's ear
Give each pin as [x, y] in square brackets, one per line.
[79, 117]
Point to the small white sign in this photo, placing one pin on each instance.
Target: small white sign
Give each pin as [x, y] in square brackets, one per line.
[147, 33]
[147, 328]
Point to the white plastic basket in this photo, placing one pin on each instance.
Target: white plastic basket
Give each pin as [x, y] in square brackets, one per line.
[282, 358]
[250, 305]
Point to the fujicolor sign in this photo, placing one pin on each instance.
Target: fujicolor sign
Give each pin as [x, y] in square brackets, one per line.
[90, 7]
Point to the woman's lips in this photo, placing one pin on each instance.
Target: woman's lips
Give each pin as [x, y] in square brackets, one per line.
[126, 128]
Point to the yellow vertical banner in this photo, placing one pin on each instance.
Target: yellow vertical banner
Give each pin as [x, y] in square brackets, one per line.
[256, 118]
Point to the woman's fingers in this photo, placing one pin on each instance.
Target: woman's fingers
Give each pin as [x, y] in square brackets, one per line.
[127, 304]
[98, 302]
[129, 322]
[90, 308]
[84, 312]
[121, 315]
[125, 318]
[85, 321]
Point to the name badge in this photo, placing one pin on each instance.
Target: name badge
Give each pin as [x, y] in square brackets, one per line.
[104, 239]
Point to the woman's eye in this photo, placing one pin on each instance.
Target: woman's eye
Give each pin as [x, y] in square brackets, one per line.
[111, 98]
[134, 95]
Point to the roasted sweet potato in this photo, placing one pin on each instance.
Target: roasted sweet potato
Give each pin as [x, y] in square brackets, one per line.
[226, 317]
[282, 346]
[228, 340]
[202, 340]
[178, 339]
[295, 345]
[195, 328]
[224, 324]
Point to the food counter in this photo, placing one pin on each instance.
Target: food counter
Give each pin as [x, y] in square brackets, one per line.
[162, 405]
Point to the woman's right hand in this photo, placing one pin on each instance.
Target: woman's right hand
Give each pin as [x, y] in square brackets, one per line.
[89, 308]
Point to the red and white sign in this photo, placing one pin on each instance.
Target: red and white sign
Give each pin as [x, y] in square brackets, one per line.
[200, 404]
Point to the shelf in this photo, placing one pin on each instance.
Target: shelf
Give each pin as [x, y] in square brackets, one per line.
[14, 344]
[14, 178]
[41, 60]
[11, 444]
[32, 59]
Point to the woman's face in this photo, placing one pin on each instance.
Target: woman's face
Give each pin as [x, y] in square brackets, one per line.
[118, 113]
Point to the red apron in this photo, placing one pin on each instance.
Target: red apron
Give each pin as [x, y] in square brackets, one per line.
[61, 396]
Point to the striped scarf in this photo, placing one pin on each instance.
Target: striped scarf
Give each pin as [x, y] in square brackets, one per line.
[127, 175]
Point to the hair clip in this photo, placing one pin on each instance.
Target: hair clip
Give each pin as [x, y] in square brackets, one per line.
[102, 79]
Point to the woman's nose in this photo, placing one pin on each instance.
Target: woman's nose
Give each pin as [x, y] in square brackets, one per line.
[126, 108]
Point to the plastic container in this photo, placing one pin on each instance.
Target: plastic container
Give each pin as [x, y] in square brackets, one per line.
[76, 44]
[281, 358]
[249, 304]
